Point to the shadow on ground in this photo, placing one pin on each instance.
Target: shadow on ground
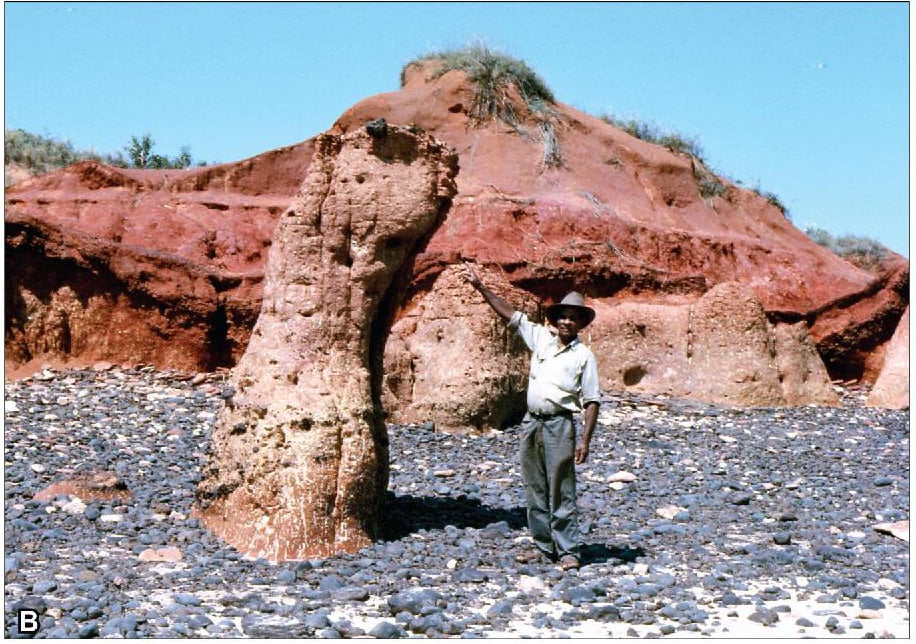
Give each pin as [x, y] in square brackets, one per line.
[593, 553]
[406, 514]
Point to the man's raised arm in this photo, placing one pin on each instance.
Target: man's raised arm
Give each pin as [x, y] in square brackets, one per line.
[502, 308]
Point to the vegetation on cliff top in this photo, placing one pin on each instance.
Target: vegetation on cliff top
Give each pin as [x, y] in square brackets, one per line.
[494, 76]
[708, 182]
[37, 154]
[862, 252]
[497, 78]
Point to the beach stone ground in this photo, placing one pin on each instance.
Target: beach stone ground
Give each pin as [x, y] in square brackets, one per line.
[697, 520]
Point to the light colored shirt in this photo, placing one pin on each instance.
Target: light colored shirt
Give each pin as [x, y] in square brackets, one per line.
[560, 377]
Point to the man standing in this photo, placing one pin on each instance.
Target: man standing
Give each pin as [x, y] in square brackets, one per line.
[563, 379]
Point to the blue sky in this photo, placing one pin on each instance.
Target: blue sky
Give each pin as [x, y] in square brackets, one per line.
[808, 101]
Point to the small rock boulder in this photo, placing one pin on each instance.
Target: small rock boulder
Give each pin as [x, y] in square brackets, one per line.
[88, 486]
[892, 388]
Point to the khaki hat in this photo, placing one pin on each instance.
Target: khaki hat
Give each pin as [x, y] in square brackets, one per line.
[572, 300]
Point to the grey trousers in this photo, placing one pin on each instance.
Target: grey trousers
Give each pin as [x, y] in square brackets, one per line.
[547, 450]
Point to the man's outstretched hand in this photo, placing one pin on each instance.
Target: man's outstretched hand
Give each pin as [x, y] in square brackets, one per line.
[502, 308]
[470, 275]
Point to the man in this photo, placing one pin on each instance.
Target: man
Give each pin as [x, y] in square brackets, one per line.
[563, 379]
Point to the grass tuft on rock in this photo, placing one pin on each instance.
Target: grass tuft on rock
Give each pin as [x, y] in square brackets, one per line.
[499, 81]
[494, 75]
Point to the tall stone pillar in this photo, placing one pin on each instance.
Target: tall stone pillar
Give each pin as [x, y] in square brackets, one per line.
[298, 465]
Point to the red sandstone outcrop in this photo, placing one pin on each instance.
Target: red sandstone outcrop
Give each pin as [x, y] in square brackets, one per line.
[802, 374]
[299, 460]
[853, 332]
[721, 349]
[165, 267]
[452, 361]
[142, 266]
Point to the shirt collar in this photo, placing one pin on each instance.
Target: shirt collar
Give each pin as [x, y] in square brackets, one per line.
[560, 347]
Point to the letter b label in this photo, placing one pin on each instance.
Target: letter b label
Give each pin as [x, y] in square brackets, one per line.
[28, 621]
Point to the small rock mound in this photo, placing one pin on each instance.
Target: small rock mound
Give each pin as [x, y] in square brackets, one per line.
[88, 486]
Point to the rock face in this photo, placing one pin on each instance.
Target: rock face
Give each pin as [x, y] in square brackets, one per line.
[466, 368]
[802, 374]
[299, 458]
[166, 267]
[721, 348]
[142, 266]
[452, 361]
[892, 389]
[853, 333]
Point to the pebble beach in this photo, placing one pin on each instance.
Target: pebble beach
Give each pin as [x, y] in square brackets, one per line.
[698, 521]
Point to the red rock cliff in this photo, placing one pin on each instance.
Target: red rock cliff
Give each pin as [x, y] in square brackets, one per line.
[165, 267]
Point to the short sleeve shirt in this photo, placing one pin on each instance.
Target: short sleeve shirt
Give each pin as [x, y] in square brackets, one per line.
[560, 378]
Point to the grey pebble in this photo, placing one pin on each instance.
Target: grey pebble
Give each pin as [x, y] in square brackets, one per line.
[44, 587]
[88, 630]
[764, 616]
[470, 575]
[501, 607]
[351, 593]
[332, 582]
[413, 601]
[871, 603]
[187, 599]
[386, 630]
[286, 576]
[317, 620]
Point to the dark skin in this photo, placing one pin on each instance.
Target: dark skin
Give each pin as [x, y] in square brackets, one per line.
[568, 324]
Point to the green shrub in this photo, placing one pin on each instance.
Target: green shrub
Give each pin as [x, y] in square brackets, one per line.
[653, 134]
[773, 200]
[140, 152]
[42, 154]
[863, 252]
[708, 183]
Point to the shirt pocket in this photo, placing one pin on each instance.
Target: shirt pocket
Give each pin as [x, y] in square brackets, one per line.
[537, 364]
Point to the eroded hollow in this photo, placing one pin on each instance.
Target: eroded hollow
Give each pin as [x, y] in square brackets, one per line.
[634, 375]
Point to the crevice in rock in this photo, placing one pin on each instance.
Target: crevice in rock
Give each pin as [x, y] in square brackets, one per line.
[219, 346]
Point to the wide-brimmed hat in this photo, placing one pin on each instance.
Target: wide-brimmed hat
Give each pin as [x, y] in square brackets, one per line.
[572, 300]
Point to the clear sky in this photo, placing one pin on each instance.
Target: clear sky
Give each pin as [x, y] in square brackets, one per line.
[808, 101]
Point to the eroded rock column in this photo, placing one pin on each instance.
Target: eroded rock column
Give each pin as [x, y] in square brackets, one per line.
[299, 460]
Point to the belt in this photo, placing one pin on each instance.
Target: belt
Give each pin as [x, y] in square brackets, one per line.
[564, 412]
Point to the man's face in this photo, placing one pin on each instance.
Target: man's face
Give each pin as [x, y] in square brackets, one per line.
[569, 321]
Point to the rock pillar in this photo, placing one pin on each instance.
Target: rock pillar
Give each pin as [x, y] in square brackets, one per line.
[298, 465]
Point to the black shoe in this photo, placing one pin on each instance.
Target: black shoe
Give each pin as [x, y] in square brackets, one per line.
[568, 562]
[530, 556]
